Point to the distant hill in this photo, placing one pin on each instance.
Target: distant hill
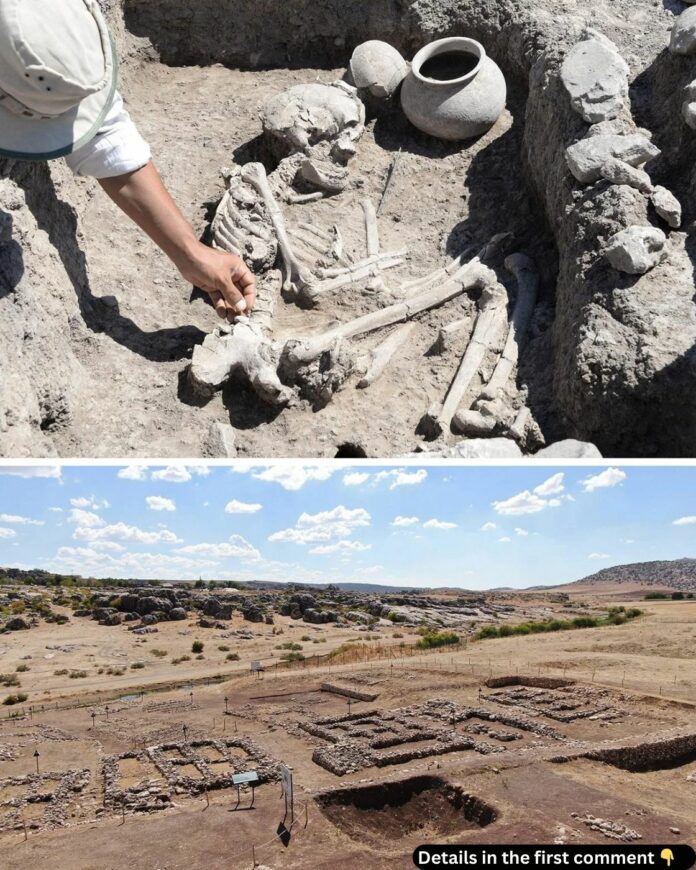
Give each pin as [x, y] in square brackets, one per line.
[677, 575]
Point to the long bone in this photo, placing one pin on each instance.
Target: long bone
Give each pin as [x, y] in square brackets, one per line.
[489, 327]
[524, 270]
[471, 276]
[297, 278]
[378, 359]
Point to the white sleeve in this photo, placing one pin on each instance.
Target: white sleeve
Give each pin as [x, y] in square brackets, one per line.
[117, 148]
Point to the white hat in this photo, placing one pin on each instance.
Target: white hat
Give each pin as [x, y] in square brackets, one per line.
[58, 72]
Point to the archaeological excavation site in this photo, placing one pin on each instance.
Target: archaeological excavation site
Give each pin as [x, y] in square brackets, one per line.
[471, 226]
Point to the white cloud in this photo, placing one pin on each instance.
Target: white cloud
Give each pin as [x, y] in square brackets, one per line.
[504, 540]
[240, 507]
[157, 503]
[439, 524]
[553, 486]
[20, 521]
[326, 526]
[93, 503]
[237, 548]
[290, 477]
[123, 532]
[86, 519]
[144, 565]
[401, 522]
[56, 510]
[53, 471]
[488, 527]
[685, 521]
[7, 533]
[606, 478]
[340, 547]
[599, 556]
[524, 503]
[133, 472]
[402, 477]
[172, 474]
[355, 478]
[111, 546]
[523, 533]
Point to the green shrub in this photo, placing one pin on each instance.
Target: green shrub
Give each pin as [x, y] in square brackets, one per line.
[488, 631]
[224, 648]
[15, 699]
[232, 657]
[437, 638]
[159, 653]
[78, 675]
[9, 680]
[197, 646]
[292, 657]
[22, 669]
[61, 673]
[137, 666]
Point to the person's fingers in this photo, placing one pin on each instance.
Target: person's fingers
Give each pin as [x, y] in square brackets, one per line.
[219, 303]
[245, 282]
[233, 298]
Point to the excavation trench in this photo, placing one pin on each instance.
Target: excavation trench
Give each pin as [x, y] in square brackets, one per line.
[408, 808]
[98, 330]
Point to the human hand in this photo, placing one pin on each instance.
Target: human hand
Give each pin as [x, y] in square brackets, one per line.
[225, 278]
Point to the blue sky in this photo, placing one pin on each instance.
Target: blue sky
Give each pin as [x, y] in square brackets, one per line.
[472, 527]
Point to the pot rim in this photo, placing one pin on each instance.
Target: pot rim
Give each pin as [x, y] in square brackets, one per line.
[440, 46]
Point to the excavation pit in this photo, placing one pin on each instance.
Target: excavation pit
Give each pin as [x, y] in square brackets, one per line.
[589, 366]
[422, 807]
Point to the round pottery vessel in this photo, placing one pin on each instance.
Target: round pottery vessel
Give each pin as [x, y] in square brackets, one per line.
[453, 108]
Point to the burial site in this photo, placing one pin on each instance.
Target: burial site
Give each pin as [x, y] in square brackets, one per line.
[470, 223]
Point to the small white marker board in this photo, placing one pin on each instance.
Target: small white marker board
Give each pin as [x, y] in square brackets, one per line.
[243, 778]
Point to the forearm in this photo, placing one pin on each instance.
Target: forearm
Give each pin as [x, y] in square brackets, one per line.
[144, 198]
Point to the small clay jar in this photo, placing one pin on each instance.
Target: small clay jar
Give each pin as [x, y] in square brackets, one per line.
[454, 90]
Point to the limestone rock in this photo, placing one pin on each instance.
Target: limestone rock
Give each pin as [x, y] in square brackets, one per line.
[480, 448]
[589, 156]
[683, 39]
[569, 449]
[596, 77]
[636, 250]
[667, 206]
[619, 172]
[378, 68]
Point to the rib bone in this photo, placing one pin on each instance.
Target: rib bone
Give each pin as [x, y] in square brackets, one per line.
[371, 228]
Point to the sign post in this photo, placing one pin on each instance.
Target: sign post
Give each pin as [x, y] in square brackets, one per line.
[257, 668]
[240, 779]
[288, 790]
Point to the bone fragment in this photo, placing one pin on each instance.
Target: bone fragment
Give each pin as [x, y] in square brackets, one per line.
[518, 430]
[381, 356]
[444, 339]
[336, 279]
[524, 270]
[371, 228]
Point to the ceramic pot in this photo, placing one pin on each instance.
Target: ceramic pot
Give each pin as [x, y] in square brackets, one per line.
[454, 90]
